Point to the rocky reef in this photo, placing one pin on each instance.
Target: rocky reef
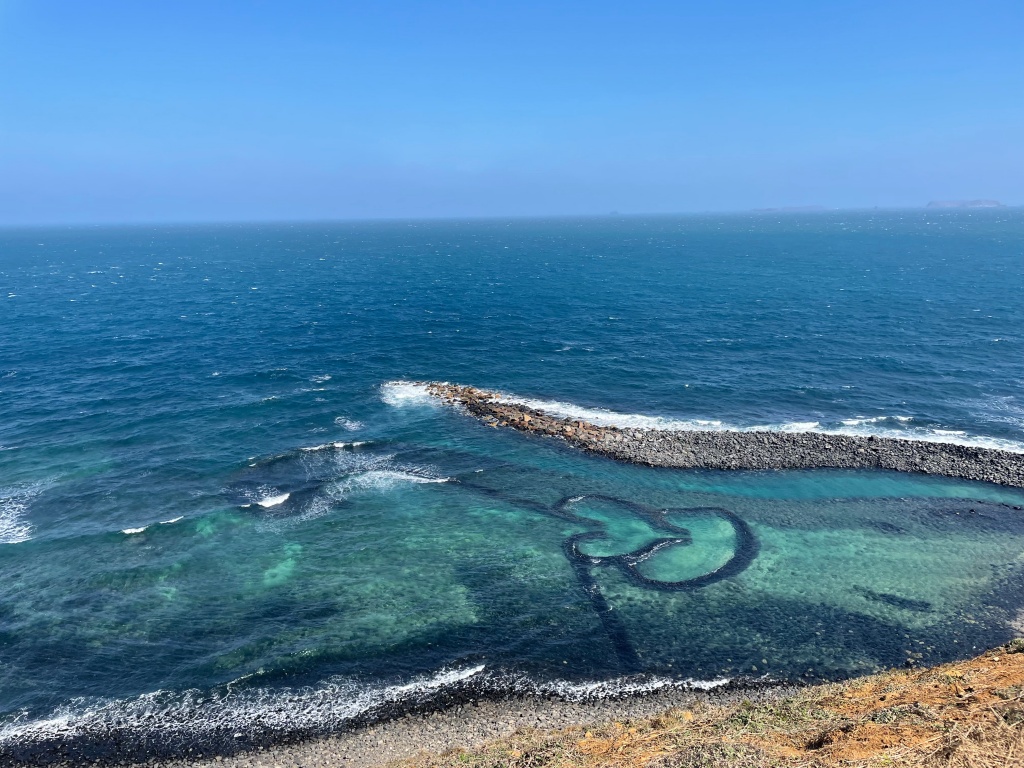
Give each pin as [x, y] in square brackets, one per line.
[756, 450]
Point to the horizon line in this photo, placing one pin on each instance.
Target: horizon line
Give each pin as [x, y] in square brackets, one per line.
[781, 210]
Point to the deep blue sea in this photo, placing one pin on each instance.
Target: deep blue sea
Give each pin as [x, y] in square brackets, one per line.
[225, 512]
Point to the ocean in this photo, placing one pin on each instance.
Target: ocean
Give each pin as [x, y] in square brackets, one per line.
[229, 516]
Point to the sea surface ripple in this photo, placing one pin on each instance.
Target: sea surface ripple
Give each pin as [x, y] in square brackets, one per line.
[214, 497]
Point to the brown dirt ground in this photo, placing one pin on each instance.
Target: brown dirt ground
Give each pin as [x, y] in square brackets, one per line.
[965, 714]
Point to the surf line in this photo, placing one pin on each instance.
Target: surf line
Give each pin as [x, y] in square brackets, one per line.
[731, 450]
[745, 550]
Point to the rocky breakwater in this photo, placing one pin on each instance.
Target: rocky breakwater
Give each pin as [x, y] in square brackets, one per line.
[693, 449]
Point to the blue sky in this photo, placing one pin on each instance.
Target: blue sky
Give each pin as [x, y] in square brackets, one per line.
[197, 111]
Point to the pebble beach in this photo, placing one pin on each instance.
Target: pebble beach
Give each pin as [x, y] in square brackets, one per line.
[471, 725]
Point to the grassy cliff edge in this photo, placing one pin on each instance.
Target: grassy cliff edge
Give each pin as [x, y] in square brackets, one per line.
[968, 713]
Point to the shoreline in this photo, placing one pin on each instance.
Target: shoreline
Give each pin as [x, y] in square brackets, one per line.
[968, 713]
[880, 714]
[734, 450]
[463, 715]
[474, 722]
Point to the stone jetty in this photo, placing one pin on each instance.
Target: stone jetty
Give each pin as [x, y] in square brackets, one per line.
[756, 450]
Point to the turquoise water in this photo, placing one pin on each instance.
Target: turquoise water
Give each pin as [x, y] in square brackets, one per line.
[221, 513]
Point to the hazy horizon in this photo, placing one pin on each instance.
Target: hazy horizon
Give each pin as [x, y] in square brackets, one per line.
[782, 210]
[121, 113]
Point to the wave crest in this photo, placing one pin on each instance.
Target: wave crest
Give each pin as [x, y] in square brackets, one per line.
[168, 723]
[175, 720]
[382, 480]
[400, 394]
[14, 504]
[896, 426]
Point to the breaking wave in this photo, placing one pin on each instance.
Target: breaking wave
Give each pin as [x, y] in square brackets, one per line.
[309, 482]
[169, 722]
[350, 424]
[898, 426]
[14, 504]
[603, 417]
[405, 393]
[264, 495]
[382, 480]
[273, 501]
[337, 446]
[230, 718]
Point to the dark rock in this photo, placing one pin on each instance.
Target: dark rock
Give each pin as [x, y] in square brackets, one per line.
[744, 450]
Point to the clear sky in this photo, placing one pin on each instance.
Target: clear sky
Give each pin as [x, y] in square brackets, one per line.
[147, 110]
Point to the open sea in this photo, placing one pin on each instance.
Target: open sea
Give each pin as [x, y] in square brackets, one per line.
[228, 518]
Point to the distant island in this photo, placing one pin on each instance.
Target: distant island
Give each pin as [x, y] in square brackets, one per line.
[965, 204]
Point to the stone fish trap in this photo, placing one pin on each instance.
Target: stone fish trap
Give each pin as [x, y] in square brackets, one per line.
[304, 480]
[744, 553]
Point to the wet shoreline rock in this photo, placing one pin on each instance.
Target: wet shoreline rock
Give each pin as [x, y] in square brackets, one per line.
[761, 450]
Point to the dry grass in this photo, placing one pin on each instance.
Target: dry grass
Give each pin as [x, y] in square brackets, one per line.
[963, 715]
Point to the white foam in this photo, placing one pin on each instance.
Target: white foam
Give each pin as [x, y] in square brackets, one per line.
[381, 480]
[347, 472]
[316, 507]
[172, 520]
[350, 424]
[321, 447]
[334, 446]
[322, 378]
[132, 531]
[193, 713]
[364, 471]
[899, 427]
[405, 393]
[273, 501]
[622, 686]
[14, 504]
[903, 430]
[874, 420]
[788, 426]
[605, 418]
